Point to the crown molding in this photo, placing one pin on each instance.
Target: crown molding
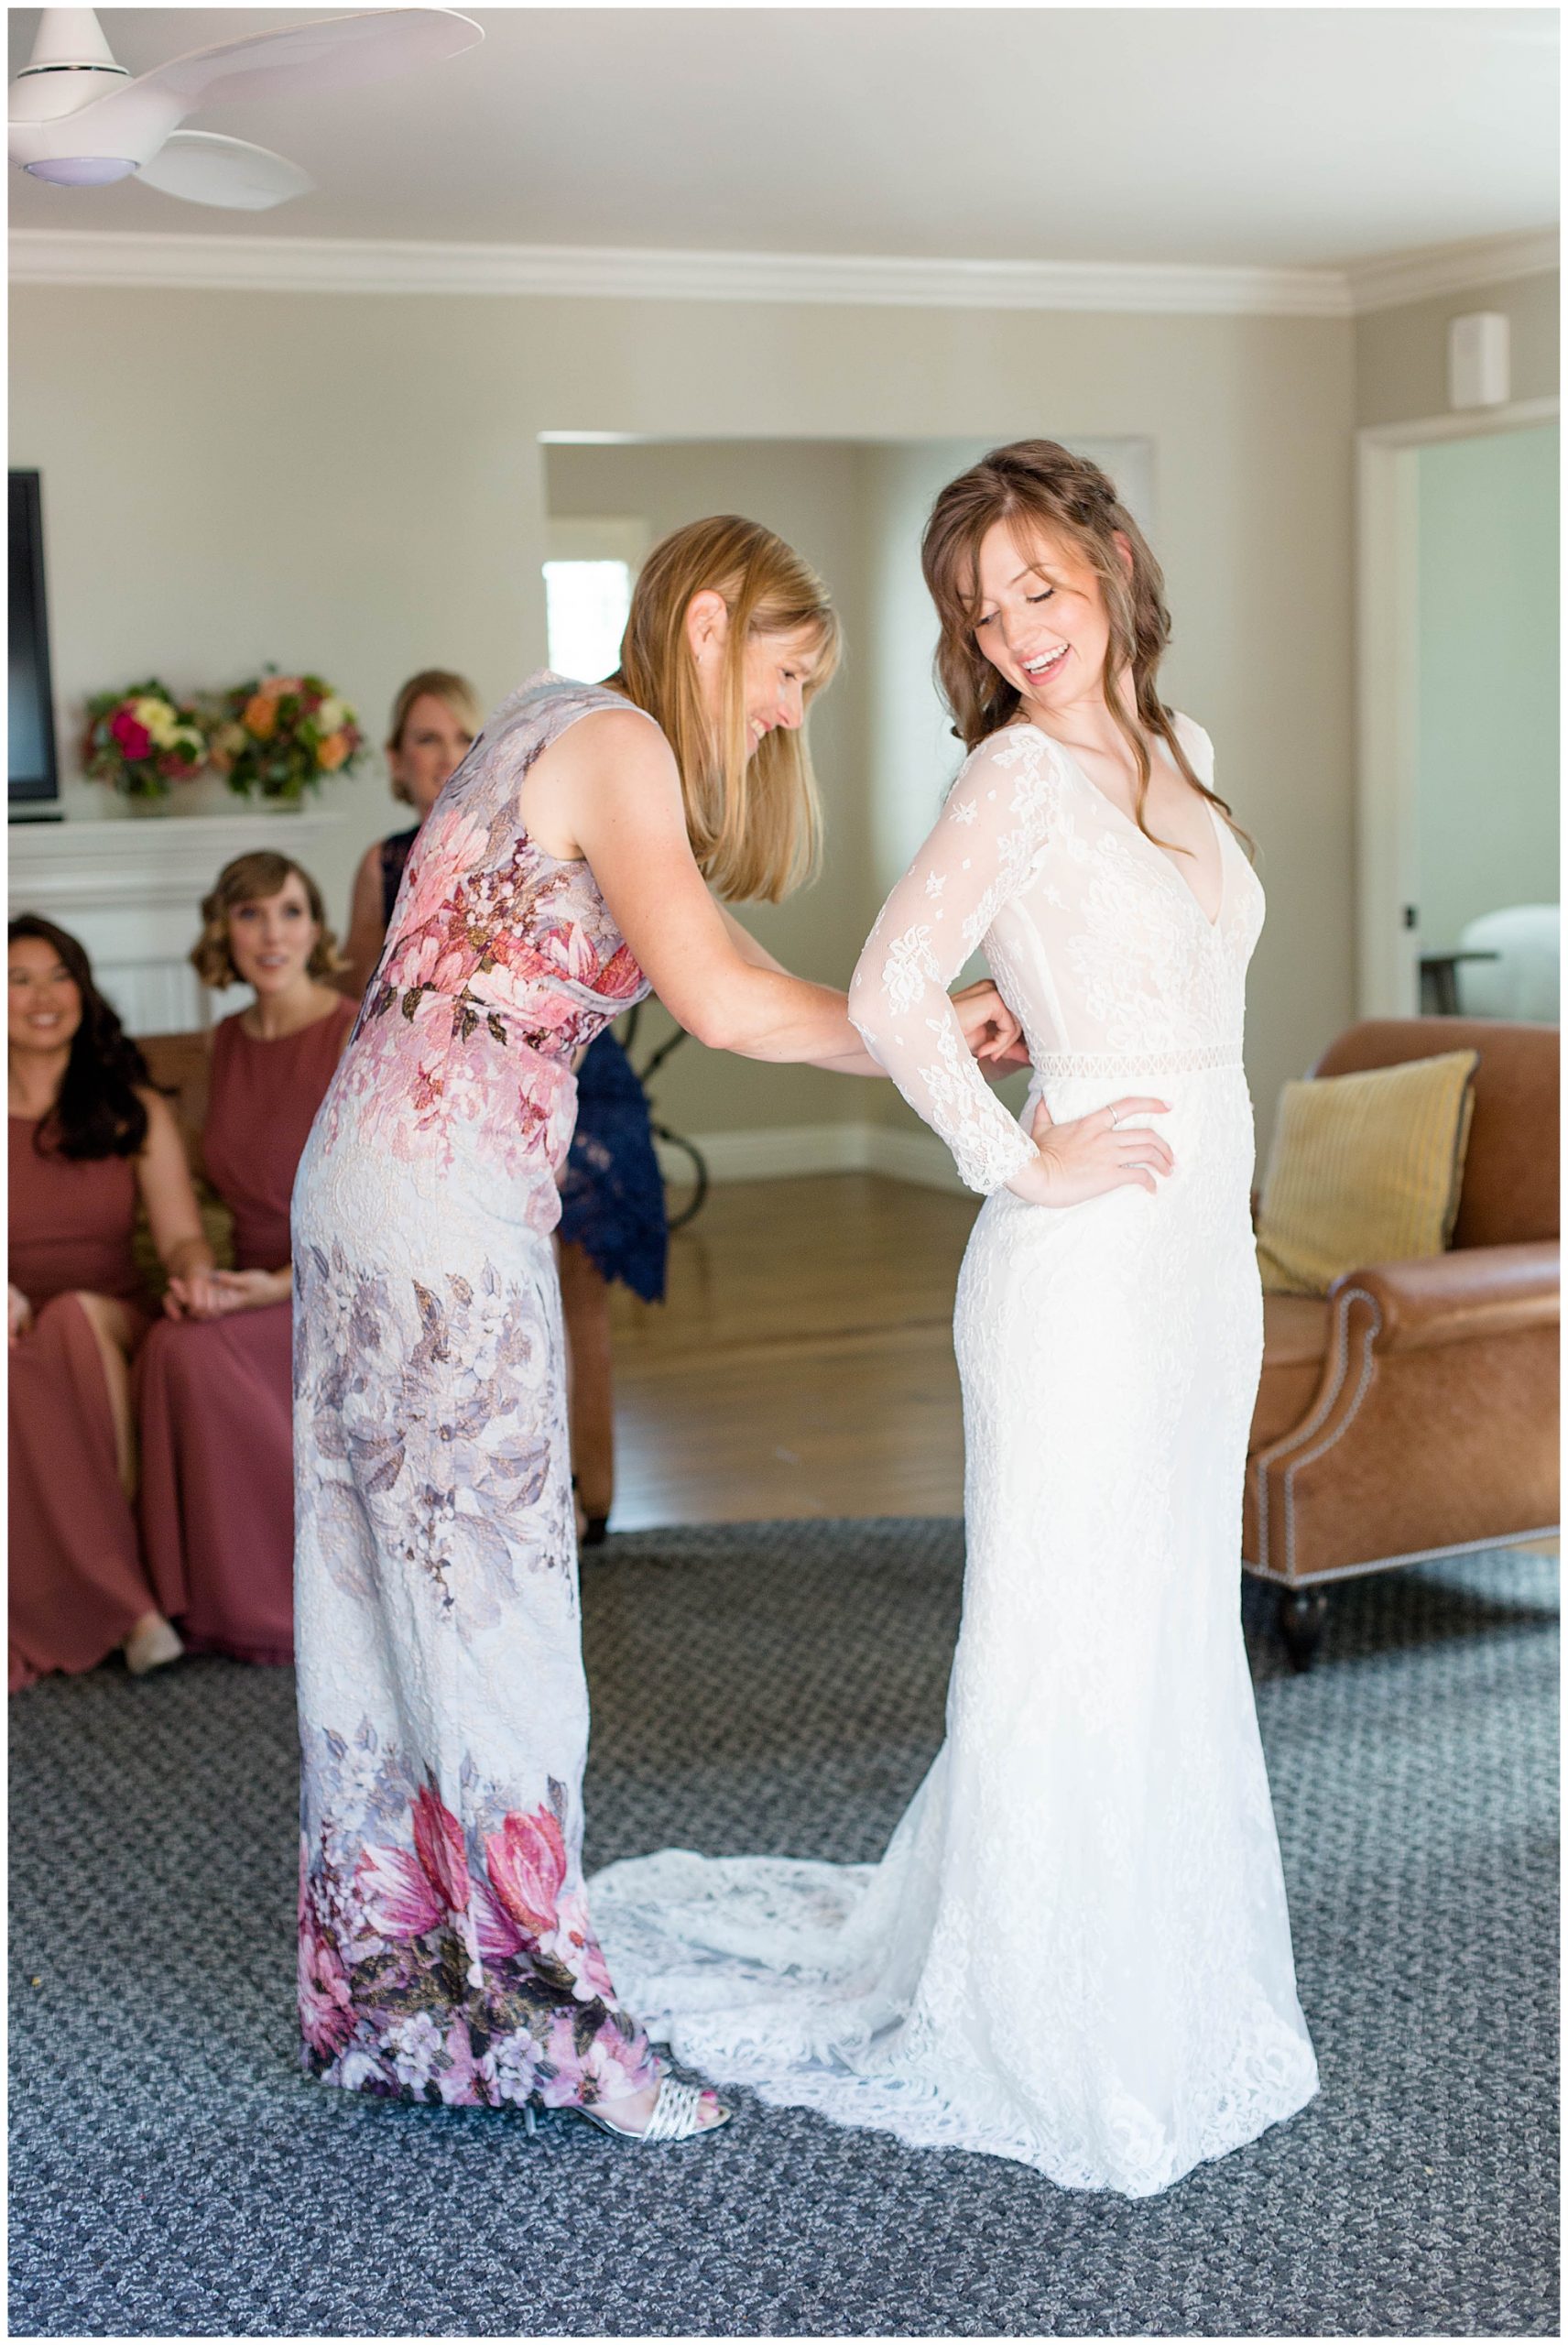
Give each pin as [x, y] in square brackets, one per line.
[621, 273]
[1398, 278]
[368, 265]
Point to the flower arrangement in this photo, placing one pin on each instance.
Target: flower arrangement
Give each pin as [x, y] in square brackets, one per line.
[143, 740]
[276, 736]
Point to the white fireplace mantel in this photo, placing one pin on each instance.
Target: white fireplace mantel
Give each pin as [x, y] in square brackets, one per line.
[131, 886]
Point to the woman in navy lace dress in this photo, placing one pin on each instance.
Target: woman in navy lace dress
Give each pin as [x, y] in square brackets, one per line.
[613, 1222]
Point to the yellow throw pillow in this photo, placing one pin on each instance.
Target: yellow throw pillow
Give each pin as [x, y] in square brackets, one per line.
[1364, 1169]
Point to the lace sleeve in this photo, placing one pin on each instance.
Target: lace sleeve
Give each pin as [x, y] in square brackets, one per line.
[984, 848]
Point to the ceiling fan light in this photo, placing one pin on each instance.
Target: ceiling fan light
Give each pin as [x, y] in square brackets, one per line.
[82, 171]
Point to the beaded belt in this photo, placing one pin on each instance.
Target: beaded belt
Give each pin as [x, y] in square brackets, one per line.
[1111, 1067]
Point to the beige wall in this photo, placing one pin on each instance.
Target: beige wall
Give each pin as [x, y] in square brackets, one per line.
[813, 493]
[355, 482]
[1401, 355]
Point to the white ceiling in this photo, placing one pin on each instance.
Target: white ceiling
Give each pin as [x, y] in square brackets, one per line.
[1261, 136]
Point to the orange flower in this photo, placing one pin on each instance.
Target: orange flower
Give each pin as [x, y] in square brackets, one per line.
[331, 753]
[261, 715]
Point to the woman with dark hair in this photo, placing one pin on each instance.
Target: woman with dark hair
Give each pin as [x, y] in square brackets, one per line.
[213, 1405]
[1075, 1951]
[613, 1223]
[89, 1139]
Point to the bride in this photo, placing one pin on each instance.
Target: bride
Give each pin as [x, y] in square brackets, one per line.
[1075, 1951]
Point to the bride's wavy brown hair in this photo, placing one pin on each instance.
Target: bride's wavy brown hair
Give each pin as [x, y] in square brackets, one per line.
[1036, 485]
[752, 815]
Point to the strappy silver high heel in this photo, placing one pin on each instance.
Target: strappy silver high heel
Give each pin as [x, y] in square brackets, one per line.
[677, 2115]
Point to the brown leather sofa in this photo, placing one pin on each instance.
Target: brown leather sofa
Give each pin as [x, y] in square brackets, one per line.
[1412, 1412]
[180, 1065]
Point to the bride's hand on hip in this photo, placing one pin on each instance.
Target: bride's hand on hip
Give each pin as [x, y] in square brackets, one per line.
[990, 1029]
[1102, 1150]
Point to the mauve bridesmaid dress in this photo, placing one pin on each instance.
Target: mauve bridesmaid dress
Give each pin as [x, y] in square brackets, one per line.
[78, 1585]
[214, 1403]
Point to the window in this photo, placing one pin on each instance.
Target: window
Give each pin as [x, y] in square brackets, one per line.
[588, 572]
[586, 605]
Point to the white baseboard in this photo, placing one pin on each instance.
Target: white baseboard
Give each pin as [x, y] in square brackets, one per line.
[918, 1157]
[789, 1152]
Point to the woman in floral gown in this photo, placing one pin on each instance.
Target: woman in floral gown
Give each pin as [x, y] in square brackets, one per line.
[446, 1952]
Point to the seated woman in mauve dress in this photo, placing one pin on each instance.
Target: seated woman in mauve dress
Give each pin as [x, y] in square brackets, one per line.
[89, 1139]
[212, 1388]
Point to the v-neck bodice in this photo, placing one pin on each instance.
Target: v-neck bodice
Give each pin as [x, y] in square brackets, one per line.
[1076, 765]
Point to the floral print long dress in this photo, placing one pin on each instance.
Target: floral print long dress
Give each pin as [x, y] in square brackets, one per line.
[446, 1948]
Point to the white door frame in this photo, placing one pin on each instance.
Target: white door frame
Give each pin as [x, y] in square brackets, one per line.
[1387, 843]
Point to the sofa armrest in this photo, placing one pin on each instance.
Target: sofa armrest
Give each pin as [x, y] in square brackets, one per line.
[1448, 1297]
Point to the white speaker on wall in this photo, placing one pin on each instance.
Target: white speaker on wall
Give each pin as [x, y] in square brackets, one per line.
[1478, 359]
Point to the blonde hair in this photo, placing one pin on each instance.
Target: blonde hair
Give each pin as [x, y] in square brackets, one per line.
[752, 813]
[1040, 482]
[443, 685]
[250, 879]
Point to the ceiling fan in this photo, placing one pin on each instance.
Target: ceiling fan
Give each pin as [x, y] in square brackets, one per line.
[79, 119]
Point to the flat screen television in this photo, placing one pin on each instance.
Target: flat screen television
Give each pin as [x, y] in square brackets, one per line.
[33, 776]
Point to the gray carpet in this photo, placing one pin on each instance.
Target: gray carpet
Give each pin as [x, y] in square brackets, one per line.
[172, 2174]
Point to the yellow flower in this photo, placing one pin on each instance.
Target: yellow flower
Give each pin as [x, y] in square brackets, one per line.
[330, 714]
[160, 720]
[261, 715]
[331, 753]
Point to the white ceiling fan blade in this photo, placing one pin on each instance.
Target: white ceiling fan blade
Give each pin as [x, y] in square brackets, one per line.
[336, 53]
[230, 173]
[123, 130]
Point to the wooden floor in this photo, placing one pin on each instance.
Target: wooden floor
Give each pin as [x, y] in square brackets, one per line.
[802, 1362]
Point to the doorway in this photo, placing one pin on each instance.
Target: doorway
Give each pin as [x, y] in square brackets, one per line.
[1458, 696]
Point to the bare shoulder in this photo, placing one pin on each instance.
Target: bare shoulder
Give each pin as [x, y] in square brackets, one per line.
[612, 767]
[610, 741]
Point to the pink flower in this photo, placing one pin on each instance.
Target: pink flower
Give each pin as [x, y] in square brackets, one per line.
[134, 739]
[608, 2070]
[439, 1847]
[413, 963]
[510, 949]
[433, 955]
[399, 1900]
[326, 2014]
[498, 1935]
[621, 975]
[572, 954]
[459, 2082]
[524, 994]
[441, 859]
[455, 966]
[526, 1864]
[573, 1944]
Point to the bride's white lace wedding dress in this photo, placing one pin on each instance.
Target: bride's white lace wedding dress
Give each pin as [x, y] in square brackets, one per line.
[1075, 1951]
